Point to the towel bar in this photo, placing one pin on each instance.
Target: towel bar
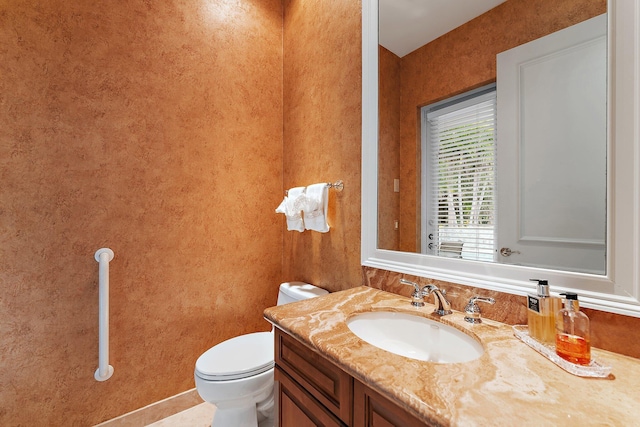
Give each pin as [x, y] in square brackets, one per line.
[338, 186]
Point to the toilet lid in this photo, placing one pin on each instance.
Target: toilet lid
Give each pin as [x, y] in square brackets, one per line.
[239, 357]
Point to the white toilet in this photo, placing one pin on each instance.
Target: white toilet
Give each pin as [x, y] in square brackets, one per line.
[237, 374]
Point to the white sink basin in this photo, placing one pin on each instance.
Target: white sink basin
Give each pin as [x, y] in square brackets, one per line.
[415, 337]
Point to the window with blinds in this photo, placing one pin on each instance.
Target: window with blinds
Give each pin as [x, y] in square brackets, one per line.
[460, 176]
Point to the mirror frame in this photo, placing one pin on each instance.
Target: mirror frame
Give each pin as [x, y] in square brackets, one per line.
[619, 290]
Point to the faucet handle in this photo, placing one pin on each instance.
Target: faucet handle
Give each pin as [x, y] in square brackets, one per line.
[472, 311]
[417, 297]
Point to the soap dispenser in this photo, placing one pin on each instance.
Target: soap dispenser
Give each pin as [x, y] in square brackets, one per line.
[573, 340]
[541, 314]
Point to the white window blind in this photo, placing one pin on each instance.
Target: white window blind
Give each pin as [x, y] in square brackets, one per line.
[461, 177]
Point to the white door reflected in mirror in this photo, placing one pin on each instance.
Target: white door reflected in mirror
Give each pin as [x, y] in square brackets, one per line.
[552, 153]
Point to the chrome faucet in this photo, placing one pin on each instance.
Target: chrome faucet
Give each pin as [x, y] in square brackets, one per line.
[443, 307]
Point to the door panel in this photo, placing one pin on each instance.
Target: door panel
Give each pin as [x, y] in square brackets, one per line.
[552, 133]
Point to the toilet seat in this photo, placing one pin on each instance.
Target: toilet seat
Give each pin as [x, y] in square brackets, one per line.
[239, 357]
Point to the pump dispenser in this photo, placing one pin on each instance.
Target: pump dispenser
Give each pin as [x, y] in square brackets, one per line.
[573, 338]
[541, 314]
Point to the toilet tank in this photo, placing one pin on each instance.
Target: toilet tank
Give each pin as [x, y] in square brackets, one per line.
[298, 291]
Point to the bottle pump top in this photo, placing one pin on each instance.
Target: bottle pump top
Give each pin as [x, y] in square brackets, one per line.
[543, 287]
[571, 301]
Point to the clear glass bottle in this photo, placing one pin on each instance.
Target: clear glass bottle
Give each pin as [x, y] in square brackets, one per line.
[541, 314]
[573, 337]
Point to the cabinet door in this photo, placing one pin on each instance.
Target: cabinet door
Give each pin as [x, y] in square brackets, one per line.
[371, 409]
[297, 408]
[326, 382]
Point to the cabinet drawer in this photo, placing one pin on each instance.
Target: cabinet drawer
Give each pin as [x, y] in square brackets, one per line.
[330, 385]
[297, 408]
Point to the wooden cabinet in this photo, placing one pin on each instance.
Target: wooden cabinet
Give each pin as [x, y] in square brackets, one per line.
[297, 407]
[312, 391]
[328, 384]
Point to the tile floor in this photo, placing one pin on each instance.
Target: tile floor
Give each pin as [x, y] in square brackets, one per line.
[199, 416]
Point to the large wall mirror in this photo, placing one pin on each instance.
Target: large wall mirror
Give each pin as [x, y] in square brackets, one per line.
[513, 173]
[500, 143]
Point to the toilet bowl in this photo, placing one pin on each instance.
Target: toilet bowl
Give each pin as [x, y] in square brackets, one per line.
[237, 374]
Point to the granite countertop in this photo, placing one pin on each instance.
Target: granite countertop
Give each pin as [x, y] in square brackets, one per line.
[510, 383]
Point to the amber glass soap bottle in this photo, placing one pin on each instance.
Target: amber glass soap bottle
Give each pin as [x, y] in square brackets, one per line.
[573, 340]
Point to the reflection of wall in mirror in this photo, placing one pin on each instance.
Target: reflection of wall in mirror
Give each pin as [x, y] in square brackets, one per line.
[462, 59]
[388, 149]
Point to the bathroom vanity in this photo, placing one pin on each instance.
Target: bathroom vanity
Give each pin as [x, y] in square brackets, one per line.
[311, 391]
[326, 375]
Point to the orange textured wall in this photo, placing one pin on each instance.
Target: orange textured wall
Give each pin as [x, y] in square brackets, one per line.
[464, 59]
[388, 147]
[155, 129]
[322, 134]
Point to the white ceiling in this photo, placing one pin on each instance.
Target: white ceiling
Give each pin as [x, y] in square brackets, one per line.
[405, 25]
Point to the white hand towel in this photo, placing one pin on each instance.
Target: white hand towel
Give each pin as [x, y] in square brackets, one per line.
[315, 210]
[291, 207]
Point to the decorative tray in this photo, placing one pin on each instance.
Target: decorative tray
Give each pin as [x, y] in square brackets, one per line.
[594, 369]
